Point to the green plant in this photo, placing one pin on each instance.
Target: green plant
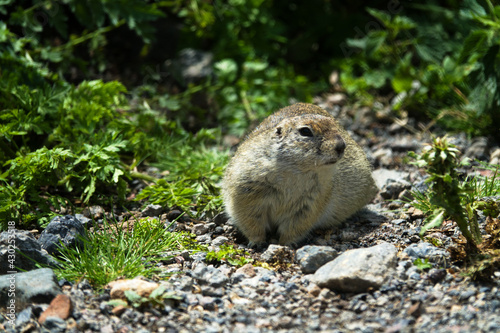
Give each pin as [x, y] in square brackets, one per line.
[440, 161]
[229, 254]
[113, 250]
[194, 168]
[448, 197]
[422, 264]
[444, 59]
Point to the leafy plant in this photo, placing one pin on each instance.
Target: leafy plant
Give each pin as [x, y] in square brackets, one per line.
[114, 250]
[448, 197]
[442, 59]
[422, 264]
[229, 254]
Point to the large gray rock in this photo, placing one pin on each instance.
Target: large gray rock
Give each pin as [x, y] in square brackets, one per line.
[36, 286]
[384, 176]
[358, 270]
[14, 241]
[312, 257]
[67, 230]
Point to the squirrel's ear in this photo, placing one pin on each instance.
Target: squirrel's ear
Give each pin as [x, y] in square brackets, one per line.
[278, 131]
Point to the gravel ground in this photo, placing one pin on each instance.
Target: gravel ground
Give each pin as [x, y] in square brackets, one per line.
[285, 294]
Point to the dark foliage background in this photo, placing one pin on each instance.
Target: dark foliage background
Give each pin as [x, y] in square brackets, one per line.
[92, 93]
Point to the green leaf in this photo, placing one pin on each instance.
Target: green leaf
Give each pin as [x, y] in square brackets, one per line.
[433, 221]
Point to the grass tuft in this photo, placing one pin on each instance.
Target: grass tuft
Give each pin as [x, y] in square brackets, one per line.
[119, 250]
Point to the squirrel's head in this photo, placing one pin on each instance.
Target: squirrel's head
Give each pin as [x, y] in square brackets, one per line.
[308, 141]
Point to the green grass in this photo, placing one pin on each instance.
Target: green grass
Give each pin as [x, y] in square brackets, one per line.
[113, 250]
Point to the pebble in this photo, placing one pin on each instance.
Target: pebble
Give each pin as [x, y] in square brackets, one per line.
[152, 211]
[55, 325]
[60, 307]
[141, 287]
[218, 241]
[209, 275]
[66, 229]
[428, 251]
[312, 257]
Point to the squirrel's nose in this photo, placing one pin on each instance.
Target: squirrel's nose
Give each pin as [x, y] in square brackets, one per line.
[339, 145]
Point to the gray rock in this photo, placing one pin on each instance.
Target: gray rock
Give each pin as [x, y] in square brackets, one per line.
[220, 241]
[312, 257]
[30, 252]
[275, 252]
[358, 270]
[199, 229]
[36, 286]
[83, 219]
[95, 212]
[66, 229]
[55, 324]
[209, 275]
[152, 210]
[393, 188]
[384, 176]
[24, 316]
[424, 250]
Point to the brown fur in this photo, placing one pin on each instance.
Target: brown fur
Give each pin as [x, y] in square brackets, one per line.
[282, 178]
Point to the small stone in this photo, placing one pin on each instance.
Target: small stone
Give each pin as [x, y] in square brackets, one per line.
[392, 189]
[55, 324]
[383, 176]
[204, 239]
[358, 270]
[94, 212]
[312, 257]
[436, 275]
[209, 275]
[313, 289]
[199, 229]
[141, 287]
[246, 270]
[24, 316]
[36, 286]
[479, 149]
[59, 307]
[174, 215]
[152, 211]
[275, 253]
[416, 310]
[495, 156]
[208, 303]
[221, 240]
[415, 213]
[66, 229]
[424, 250]
[118, 310]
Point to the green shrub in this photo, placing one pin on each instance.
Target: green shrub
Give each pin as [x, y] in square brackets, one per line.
[441, 61]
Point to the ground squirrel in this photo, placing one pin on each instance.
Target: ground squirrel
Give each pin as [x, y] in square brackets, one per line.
[297, 171]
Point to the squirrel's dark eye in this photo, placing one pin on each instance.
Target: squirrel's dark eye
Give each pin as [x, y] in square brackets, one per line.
[305, 131]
